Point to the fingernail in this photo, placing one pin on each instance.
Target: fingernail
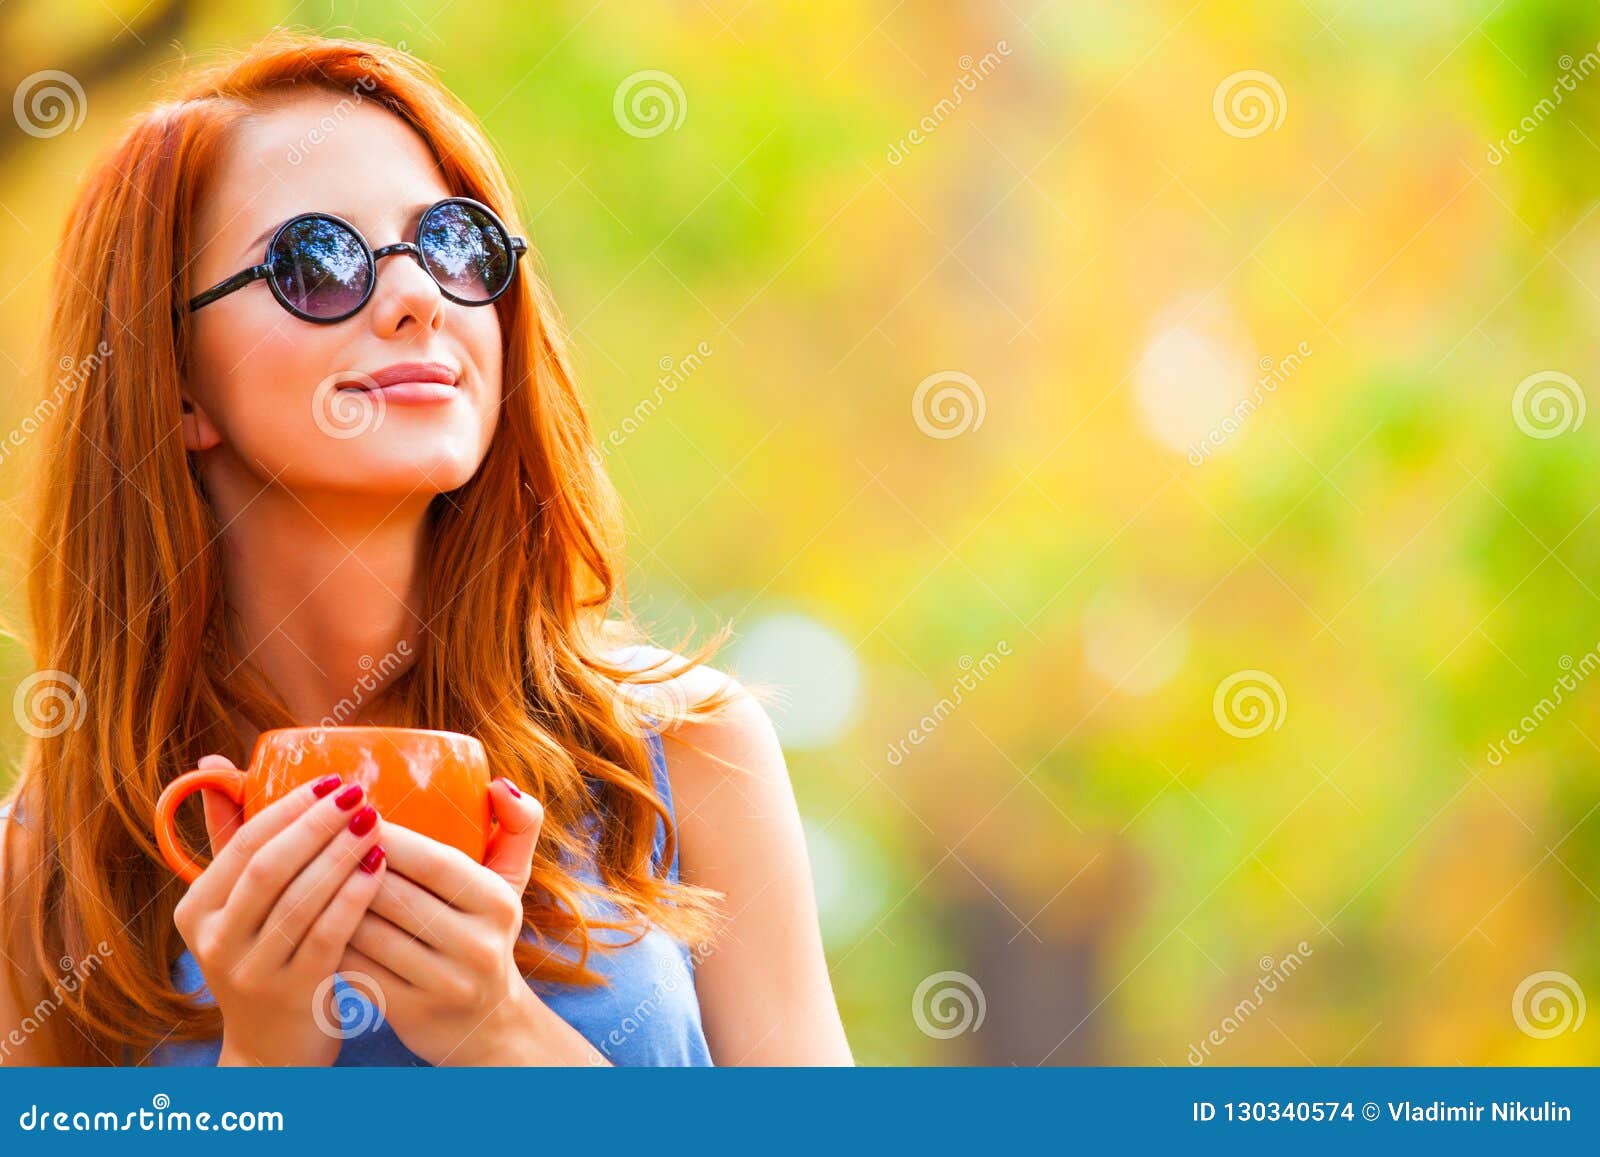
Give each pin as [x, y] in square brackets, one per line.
[326, 784]
[374, 857]
[349, 797]
[511, 787]
[361, 823]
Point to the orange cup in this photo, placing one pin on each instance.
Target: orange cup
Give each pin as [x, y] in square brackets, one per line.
[433, 782]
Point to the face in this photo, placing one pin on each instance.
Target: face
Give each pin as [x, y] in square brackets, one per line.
[272, 398]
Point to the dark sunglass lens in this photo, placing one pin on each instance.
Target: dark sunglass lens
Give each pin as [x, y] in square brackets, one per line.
[466, 251]
[321, 267]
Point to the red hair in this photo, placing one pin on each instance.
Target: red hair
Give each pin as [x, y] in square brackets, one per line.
[125, 586]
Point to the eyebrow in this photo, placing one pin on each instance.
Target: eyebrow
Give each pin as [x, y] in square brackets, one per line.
[413, 215]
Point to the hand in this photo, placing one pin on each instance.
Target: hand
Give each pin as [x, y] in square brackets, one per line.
[269, 917]
[438, 940]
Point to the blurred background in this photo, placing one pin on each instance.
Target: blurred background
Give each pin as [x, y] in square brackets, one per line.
[1145, 441]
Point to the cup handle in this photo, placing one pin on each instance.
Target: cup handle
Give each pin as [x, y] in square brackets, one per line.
[229, 781]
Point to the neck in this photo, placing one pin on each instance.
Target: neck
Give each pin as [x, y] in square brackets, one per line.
[325, 591]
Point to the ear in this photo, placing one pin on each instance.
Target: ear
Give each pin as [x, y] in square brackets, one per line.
[198, 432]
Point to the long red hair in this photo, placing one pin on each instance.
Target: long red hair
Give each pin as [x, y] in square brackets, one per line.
[126, 603]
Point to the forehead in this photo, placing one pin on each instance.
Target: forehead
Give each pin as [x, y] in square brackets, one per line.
[333, 152]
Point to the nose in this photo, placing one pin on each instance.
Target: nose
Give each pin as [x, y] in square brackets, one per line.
[406, 294]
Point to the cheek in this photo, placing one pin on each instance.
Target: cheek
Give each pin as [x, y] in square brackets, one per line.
[256, 381]
[485, 353]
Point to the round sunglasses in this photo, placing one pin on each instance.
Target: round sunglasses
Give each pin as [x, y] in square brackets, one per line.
[321, 269]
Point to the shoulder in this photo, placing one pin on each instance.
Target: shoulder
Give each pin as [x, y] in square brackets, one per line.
[736, 736]
[730, 785]
[17, 845]
[730, 788]
[723, 767]
[687, 685]
[18, 848]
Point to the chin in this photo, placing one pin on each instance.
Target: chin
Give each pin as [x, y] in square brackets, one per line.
[445, 476]
[391, 478]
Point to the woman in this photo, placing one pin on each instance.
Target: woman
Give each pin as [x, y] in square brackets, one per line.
[298, 446]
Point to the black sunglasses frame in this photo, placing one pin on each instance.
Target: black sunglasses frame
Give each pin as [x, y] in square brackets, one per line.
[264, 272]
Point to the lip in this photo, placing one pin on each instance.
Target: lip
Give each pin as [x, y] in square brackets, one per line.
[411, 382]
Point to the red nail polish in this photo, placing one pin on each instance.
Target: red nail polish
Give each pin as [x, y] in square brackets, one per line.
[349, 797]
[361, 823]
[326, 784]
[511, 787]
[374, 857]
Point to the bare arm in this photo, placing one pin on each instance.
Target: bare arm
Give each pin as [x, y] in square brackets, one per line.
[765, 994]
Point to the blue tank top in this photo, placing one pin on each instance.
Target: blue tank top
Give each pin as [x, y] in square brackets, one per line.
[646, 1013]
